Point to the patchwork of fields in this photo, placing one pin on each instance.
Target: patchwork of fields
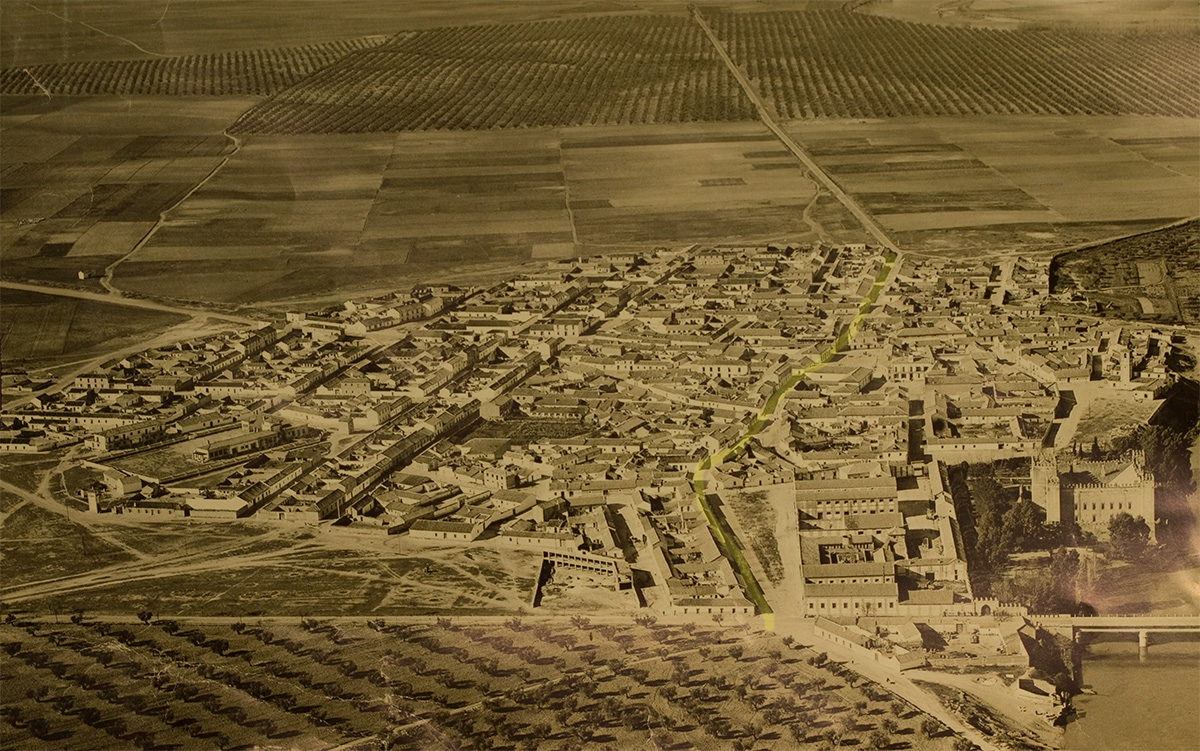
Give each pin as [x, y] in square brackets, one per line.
[305, 215]
[677, 185]
[85, 179]
[302, 215]
[1007, 182]
[427, 164]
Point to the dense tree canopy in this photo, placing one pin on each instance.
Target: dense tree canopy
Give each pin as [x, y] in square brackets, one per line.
[1129, 536]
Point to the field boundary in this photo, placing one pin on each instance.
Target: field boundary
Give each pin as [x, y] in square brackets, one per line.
[106, 281]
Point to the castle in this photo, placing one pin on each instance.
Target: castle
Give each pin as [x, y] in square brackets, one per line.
[1092, 493]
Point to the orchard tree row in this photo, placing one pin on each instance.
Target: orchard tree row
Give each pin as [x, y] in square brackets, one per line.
[834, 63]
[588, 71]
[242, 72]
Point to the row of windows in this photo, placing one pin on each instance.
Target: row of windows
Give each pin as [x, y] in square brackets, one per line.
[863, 580]
[875, 502]
[1103, 506]
[846, 605]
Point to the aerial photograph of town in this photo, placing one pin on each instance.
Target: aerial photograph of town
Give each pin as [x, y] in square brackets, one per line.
[749, 375]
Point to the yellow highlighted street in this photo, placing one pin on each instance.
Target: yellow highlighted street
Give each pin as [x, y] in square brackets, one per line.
[715, 522]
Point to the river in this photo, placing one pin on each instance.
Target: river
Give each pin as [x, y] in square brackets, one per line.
[1151, 706]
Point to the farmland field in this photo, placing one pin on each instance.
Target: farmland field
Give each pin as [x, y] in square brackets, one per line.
[681, 184]
[1108, 15]
[241, 73]
[1000, 183]
[534, 684]
[306, 215]
[85, 178]
[37, 33]
[39, 330]
[588, 71]
[836, 63]
[272, 218]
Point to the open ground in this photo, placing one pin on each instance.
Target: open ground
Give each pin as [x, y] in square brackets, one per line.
[43, 330]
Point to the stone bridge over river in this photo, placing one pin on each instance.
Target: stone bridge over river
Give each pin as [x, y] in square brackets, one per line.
[1142, 625]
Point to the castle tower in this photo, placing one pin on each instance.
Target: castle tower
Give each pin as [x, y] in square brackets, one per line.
[1043, 477]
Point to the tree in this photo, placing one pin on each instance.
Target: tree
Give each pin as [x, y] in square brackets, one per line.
[1129, 536]
[798, 731]
[40, 728]
[879, 739]
[1023, 525]
[145, 616]
[962, 744]
[930, 727]
[889, 725]
[1065, 568]
[847, 724]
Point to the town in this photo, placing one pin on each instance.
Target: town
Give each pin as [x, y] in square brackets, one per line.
[566, 412]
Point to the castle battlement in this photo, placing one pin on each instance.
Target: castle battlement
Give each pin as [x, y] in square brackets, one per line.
[1092, 504]
[1101, 486]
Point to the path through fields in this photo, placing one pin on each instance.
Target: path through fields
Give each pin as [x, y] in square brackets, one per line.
[107, 280]
[768, 119]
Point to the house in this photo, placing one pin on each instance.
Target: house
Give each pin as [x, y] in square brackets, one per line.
[428, 529]
[217, 508]
[120, 484]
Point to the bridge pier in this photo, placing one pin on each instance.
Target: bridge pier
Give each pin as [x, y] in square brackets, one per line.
[1143, 645]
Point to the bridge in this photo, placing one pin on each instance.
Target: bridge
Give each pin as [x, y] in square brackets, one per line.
[1142, 625]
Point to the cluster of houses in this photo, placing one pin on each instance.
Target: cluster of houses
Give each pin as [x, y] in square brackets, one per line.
[564, 412]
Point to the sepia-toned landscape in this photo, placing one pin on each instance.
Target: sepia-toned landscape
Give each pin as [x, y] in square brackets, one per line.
[599, 374]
